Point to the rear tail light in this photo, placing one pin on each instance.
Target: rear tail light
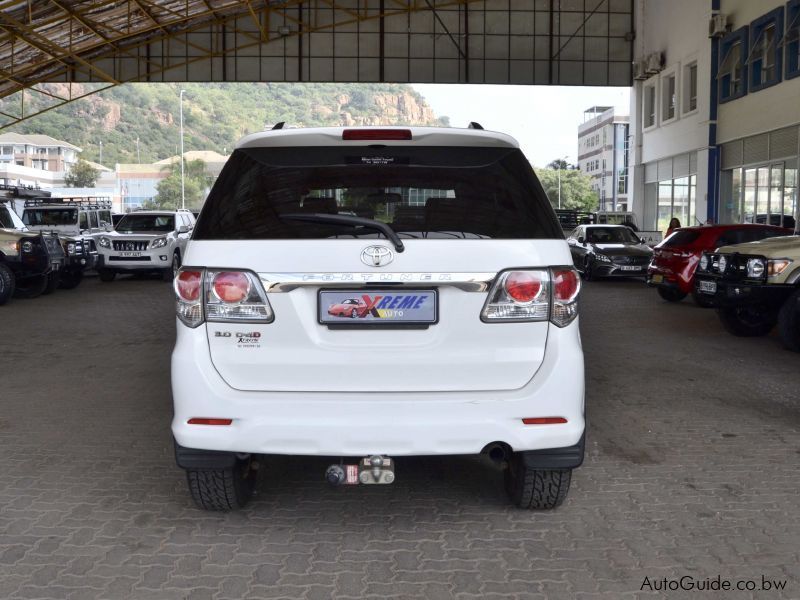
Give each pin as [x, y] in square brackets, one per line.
[375, 134]
[566, 287]
[519, 296]
[533, 295]
[220, 296]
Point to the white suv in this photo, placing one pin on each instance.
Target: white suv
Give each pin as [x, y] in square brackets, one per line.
[372, 293]
[145, 241]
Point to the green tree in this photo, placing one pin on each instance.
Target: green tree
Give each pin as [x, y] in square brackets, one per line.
[196, 181]
[576, 189]
[559, 163]
[81, 175]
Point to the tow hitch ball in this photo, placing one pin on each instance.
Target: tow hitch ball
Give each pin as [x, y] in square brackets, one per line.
[371, 470]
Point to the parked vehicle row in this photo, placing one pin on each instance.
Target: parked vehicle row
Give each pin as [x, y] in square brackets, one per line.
[750, 273]
[58, 239]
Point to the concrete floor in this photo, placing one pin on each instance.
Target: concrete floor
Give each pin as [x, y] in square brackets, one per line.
[691, 470]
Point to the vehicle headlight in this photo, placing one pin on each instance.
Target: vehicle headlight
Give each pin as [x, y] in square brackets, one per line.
[777, 266]
[104, 242]
[27, 246]
[704, 262]
[71, 248]
[722, 265]
[603, 258]
[158, 243]
[755, 268]
[9, 248]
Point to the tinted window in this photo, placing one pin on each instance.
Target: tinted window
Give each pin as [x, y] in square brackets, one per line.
[84, 221]
[105, 218]
[49, 216]
[94, 220]
[133, 222]
[750, 234]
[682, 237]
[422, 192]
[5, 218]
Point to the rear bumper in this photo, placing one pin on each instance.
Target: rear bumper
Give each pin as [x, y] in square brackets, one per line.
[662, 277]
[395, 424]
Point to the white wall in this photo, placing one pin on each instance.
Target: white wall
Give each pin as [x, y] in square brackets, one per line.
[679, 29]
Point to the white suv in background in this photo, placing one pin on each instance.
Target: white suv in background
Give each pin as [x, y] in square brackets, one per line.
[145, 241]
[372, 293]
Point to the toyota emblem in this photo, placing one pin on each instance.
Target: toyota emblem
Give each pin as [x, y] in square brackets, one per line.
[376, 256]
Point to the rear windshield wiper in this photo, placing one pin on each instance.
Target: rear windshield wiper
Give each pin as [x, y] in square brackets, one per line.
[348, 220]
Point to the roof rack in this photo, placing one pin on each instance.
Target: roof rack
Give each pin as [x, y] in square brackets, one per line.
[21, 191]
[88, 202]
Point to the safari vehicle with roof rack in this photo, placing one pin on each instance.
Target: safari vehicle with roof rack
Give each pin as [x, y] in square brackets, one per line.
[145, 241]
[464, 338]
[76, 220]
[29, 261]
[755, 286]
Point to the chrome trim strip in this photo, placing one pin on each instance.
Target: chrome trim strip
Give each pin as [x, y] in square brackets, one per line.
[286, 282]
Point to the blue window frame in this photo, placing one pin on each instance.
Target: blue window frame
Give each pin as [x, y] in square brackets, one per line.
[791, 40]
[731, 74]
[765, 59]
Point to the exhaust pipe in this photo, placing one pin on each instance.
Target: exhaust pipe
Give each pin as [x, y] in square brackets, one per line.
[498, 452]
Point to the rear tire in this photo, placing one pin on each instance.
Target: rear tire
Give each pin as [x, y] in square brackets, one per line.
[748, 320]
[7, 284]
[222, 489]
[536, 489]
[71, 279]
[53, 279]
[670, 294]
[789, 322]
[587, 270]
[106, 275]
[702, 301]
[33, 287]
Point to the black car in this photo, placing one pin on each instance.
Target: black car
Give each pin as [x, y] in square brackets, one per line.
[608, 251]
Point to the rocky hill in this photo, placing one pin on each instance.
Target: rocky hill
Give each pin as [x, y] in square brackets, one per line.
[215, 114]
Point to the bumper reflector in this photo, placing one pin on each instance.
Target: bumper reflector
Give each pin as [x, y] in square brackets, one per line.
[544, 420]
[202, 421]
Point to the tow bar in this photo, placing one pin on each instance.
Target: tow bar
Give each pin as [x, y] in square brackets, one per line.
[372, 470]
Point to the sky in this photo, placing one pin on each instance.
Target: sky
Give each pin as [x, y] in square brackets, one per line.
[544, 119]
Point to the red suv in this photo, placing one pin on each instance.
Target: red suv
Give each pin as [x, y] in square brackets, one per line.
[675, 259]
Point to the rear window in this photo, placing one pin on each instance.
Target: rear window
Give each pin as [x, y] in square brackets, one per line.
[749, 234]
[422, 192]
[681, 238]
[49, 216]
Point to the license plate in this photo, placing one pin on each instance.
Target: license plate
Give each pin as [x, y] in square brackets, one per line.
[130, 254]
[657, 278]
[375, 307]
[707, 287]
[631, 268]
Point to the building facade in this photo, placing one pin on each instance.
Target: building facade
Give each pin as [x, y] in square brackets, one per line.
[715, 111]
[603, 155]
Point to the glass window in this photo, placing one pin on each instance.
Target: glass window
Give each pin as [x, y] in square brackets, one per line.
[791, 39]
[765, 58]
[135, 222]
[664, 205]
[649, 105]
[790, 195]
[680, 200]
[95, 222]
[84, 222]
[733, 50]
[43, 217]
[749, 202]
[669, 101]
[690, 87]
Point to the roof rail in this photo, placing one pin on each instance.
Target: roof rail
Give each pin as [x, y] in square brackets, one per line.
[474, 125]
[88, 202]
